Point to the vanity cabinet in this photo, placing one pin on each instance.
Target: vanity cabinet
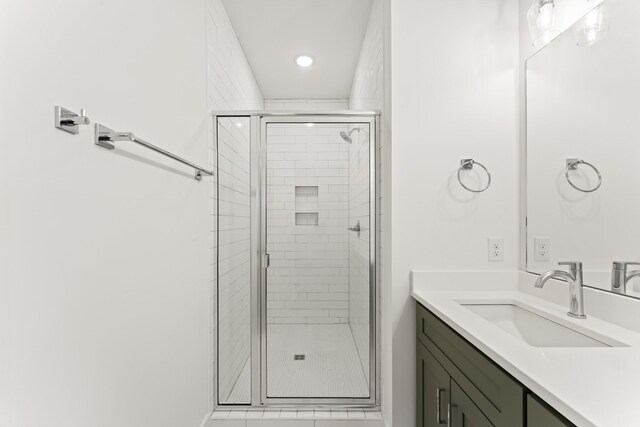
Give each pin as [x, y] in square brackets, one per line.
[440, 398]
[434, 386]
[457, 385]
[539, 414]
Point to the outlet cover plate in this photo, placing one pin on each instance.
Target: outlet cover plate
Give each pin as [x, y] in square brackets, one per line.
[495, 249]
[542, 249]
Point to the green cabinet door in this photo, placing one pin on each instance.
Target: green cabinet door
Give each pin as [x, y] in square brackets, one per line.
[538, 415]
[432, 390]
[463, 412]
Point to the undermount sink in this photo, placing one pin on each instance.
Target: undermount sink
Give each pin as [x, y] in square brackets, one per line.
[535, 329]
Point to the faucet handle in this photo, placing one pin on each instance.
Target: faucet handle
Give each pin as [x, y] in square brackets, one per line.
[572, 264]
[622, 265]
[575, 267]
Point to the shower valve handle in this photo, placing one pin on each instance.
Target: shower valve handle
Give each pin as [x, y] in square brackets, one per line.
[356, 228]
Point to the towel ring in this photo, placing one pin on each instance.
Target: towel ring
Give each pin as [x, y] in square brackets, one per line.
[572, 164]
[467, 164]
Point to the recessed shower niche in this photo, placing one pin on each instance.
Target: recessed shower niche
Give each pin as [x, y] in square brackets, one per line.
[306, 204]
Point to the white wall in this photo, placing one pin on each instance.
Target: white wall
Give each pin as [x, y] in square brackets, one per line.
[105, 260]
[231, 86]
[454, 82]
[367, 89]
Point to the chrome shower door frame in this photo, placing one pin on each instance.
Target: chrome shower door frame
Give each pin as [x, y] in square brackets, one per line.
[258, 145]
[348, 117]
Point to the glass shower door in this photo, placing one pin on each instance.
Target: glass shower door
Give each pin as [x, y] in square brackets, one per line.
[233, 259]
[318, 293]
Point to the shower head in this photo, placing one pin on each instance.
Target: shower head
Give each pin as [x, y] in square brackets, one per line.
[347, 135]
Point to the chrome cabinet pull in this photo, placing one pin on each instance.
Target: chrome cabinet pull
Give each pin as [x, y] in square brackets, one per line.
[450, 407]
[438, 404]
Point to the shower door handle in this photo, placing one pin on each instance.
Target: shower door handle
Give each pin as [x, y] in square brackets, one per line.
[267, 261]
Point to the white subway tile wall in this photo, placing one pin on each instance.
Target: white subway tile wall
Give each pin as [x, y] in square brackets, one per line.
[307, 218]
[306, 104]
[231, 86]
[234, 251]
[359, 256]
[367, 93]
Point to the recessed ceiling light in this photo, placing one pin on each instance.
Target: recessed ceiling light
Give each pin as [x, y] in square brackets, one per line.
[304, 60]
[238, 124]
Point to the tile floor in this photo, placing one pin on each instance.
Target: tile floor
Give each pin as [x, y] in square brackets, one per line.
[297, 418]
[241, 392]
[331, 367]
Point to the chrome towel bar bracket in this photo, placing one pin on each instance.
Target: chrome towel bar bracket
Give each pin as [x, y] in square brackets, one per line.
[467, 164]
[105, 137]
[572, 164]
[69, 121]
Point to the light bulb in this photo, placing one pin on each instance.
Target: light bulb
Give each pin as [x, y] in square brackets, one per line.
[541, 19]
[593, 27]
[592, 18]
[304, 61]
[546, 15]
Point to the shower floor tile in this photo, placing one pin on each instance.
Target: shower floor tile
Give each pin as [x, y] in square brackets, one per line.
[241, 392]
[331, 366]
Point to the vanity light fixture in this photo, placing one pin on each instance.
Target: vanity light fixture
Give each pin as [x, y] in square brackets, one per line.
[593, 27]
[304, 61]
[541, 19]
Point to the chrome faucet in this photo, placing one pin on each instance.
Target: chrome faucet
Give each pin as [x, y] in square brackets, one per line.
[574, 278]
[620, 276]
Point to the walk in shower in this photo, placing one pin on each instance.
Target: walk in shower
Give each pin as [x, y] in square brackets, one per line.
[295, 257]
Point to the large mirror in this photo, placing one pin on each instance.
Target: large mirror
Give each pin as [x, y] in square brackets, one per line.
[583, 148]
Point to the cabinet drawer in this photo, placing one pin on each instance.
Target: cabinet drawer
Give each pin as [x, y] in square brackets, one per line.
[496, 394]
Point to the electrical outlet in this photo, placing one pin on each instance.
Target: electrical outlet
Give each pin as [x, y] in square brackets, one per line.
[542, 249]
[496, 249]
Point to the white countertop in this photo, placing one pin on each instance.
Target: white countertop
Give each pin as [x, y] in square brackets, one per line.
[590, 386]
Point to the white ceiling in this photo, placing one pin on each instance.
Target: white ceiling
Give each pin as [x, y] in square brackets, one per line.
[273, 32]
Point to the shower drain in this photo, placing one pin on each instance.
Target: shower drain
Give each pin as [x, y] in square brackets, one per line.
[298, 357]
